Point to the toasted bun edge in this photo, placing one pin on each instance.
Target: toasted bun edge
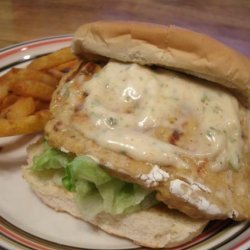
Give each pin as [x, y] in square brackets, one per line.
[167, 46]
[154, 228]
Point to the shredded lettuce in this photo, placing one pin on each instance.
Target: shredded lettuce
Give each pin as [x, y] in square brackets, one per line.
[95, 190]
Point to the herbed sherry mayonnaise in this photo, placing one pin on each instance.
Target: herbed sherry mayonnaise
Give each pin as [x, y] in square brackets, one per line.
[127, 103]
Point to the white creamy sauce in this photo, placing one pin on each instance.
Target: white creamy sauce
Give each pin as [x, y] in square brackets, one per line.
[127, 102]
[189, 193]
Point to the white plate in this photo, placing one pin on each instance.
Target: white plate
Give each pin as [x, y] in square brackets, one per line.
[26, 223]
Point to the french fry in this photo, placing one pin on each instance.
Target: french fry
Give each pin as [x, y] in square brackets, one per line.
[52, 60]
[7, 78]
[67, 66]
[26, 125]
[7, 101]
[24, 106]
[25, 93]
[4, 91]
[5, 82]
[60, 70]
[34, 89]
[41, 105]
[35, 75]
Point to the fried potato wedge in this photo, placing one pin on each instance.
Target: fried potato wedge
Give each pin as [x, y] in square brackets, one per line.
[24, 106]
[7, 101]
[4, 91]
[45, 62]
[26, 125]
[25, 93]
[35, 75]
[59, 71]
[5, 81]
[40, 105]
[34, 89]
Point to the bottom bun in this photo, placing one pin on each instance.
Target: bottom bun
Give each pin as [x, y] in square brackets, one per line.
[156, 227]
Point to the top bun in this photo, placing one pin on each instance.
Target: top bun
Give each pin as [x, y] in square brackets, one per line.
[167, 46]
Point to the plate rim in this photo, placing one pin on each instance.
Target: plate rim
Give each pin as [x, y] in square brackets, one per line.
[32, 41]
[43, 41]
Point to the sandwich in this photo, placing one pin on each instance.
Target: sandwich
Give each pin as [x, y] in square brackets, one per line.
[149, 136]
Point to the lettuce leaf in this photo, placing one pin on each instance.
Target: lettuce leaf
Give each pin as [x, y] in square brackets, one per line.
[67, 180]
[95, 190]
[84, 168]
[129, 196]
[88, 199]
[108, 192]
[50, 158]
